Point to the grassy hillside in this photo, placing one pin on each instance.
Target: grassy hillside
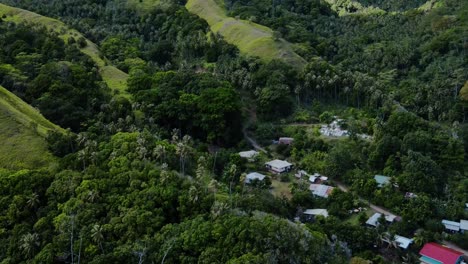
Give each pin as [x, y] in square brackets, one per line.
[22, 133]
[114, 78]
[251, 38]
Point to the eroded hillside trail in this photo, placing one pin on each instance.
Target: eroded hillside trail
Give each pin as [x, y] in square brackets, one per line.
[251, 119]
[374, 207]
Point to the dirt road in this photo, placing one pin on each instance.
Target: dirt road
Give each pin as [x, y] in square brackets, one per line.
[374, 207]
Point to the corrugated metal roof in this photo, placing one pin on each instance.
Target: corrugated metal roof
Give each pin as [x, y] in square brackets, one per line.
[440, 253]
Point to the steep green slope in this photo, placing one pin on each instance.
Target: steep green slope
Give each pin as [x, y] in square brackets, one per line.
[252, 39]
[114, 78]
[22, 133]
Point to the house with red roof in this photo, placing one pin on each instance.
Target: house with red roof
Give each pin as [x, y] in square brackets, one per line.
[433, 253]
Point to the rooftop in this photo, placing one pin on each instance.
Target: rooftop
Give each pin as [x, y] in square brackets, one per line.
[321, 190]
[373, 220]
[439, 253]
[254, 176]
[322, 212]
[403, 242]
[464, 224]
[278, 163]
[451, 225]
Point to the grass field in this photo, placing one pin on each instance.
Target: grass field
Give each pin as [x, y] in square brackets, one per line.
[113, 77]
[22, 134]
[281, 189]
[252, 39]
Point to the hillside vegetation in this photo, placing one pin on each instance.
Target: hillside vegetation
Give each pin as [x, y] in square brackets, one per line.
[22, 133]
[251, 38]
[113, 77]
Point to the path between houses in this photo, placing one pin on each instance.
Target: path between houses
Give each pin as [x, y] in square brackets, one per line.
[453, 246]
[252, 141]
[374, 207]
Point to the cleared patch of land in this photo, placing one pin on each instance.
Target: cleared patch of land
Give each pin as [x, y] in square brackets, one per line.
[281, 189]
[252, 39]
[22, 134]
[113, 77]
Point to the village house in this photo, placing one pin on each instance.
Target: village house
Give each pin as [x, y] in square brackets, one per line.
[314, 178]
[451, 226]
[433, 253]
[374, 219]
[321, 190]
[254, 176]
[249, 155]
[278, 166]
[454, 227]
[401, 241]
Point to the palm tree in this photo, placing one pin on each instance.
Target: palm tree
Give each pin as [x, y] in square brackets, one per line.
[201, 168]
[29, 243]
[159, 152]
[33, 200]
[183, 149]
[193, 194]
[420, 237]
[97, 236]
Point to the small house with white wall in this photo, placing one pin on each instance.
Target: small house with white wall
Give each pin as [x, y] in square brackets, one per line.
[254, 176]
[278, 166]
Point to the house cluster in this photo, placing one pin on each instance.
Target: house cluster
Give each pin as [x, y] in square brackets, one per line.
[314, 178]
[433, 253]
[455, 227]
[274, 166]
[316, 183]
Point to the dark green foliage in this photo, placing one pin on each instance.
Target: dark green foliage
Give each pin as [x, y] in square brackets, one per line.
[61, 81]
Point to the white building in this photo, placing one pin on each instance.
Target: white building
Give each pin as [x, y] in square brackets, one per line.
[374, 219]
[278, 166]
[254, 176]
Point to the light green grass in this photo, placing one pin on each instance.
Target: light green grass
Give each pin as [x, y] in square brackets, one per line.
[252, 39]
[281, 189]
[113, 77]
[22, 134]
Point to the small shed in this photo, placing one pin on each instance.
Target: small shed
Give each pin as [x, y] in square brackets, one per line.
[254, 176]
[382, 180]
[278, 166]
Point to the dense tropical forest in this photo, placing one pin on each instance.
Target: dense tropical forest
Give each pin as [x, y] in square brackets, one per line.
[121, 124]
